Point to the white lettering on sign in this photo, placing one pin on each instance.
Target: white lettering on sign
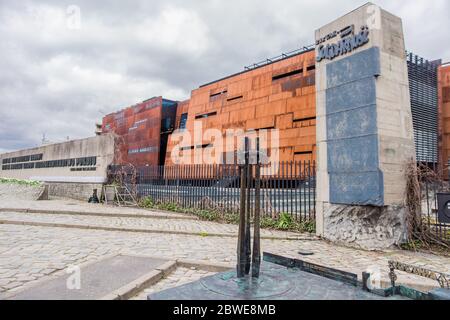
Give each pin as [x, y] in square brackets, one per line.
[349, 42]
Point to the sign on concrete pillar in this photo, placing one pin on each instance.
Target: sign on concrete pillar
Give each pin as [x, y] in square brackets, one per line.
[364, 129]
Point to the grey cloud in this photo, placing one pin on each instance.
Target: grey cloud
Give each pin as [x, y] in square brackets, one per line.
[60, 81]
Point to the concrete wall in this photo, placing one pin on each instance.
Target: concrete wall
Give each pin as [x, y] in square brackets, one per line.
[364, 133]
[72, 179]
[78, 191]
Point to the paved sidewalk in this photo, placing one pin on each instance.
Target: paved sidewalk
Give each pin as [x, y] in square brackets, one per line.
[31, 253]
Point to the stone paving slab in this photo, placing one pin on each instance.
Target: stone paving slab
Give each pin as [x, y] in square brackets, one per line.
[96, 279]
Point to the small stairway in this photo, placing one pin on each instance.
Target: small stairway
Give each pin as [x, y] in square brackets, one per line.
[122, 196]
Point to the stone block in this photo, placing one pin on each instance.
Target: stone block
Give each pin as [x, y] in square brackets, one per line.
[353, 123]
[369, 228]
[358, 66]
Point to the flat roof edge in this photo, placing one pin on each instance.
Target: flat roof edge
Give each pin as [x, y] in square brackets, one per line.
[249, 70]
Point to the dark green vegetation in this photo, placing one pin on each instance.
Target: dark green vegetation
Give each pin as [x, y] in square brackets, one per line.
[283, 221]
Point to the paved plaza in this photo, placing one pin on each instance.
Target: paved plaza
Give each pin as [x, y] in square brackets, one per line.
[39, 244]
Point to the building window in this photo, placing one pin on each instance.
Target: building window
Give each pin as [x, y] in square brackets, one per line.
[218, 93]
[204, 146]
[143, 150]
[235, 98]
[183, 121]
[206, 115]
[166, 125]
[288, 74]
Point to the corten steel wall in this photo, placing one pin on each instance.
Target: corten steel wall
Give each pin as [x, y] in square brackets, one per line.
[138, 128]
[444, 108]
[280, 95]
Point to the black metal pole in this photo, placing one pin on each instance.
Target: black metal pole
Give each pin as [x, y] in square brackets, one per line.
[248, 249]
[241, 235]
[256, 257]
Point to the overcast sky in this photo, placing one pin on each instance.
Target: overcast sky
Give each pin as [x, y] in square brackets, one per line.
[58, 76]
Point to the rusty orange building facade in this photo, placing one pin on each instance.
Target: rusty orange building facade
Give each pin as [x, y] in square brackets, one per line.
[142, 131]
[279, 95]
[444, 111]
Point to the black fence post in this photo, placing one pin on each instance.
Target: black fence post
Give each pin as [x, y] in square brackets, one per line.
[283, 187]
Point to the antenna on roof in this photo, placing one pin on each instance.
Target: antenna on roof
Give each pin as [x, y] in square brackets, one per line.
[44, 139]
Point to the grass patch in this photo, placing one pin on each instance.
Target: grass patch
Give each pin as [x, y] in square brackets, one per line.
[412, 245]
[284, 221]
[30, 183]
[419, 246]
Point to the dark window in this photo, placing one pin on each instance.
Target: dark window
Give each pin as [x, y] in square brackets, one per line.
[288, 74]
[305, 152]
[266, 128]
[304, 119]
[166, 125]
[311, 68]
[235, 98]
[203, 146]
[183, 120]
[206, 115]
[218, 94]
[36, 157]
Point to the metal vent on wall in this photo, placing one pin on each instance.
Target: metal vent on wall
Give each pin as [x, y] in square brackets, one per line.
[423, 86]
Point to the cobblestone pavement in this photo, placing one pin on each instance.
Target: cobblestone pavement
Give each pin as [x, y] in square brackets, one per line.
[31, 253]
[167, 225]
[59, 204]
[177, 278]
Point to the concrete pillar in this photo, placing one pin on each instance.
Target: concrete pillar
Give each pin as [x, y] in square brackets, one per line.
[364, 129]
